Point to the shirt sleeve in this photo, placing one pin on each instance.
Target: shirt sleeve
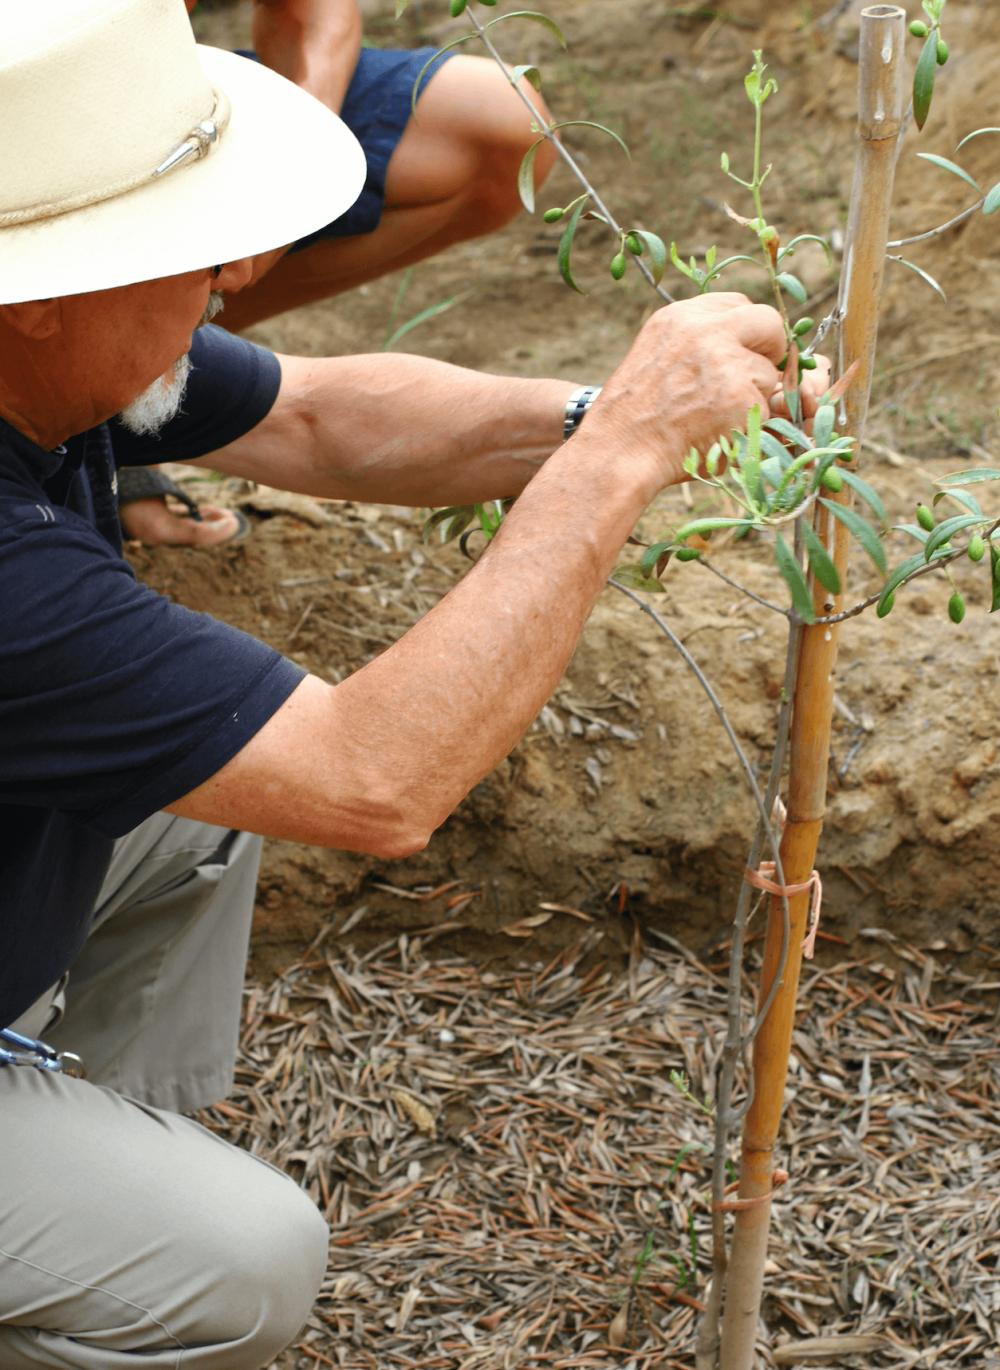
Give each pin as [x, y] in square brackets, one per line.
[232, 386]
[115, 702]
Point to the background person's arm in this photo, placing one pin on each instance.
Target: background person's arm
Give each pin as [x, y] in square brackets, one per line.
[378, 762]
[314, 43]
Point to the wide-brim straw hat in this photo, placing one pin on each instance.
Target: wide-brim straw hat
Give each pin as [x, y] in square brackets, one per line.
[129, 152]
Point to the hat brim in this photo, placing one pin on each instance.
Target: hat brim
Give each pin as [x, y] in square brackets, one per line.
[285, 166]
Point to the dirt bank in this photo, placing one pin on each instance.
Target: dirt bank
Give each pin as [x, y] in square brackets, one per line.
[624, 800]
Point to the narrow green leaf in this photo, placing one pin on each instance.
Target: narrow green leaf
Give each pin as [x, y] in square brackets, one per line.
[961, 497]
[976, 133]
[992, 202]
[944, 530]
[529, 73]
[794, 578]
[418, 83]
[770, 444]
[902, 572]
[823, 424]
[793, 434]
[860, 529]
[431, 312]
[912, 530]
[821, 562]
[862, 488]
[953, 167]
[590, 123]
[925, 276]
[657, 250]
[635, 580]
[789, 249]
[791, 285]
[698, 527]
[536, 18]
[995, 577]
[566, 245]
[526, 175]
[976, 476]
[652, 555]
[923, 80]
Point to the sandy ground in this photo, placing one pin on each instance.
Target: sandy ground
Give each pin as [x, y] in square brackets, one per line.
[624, 794]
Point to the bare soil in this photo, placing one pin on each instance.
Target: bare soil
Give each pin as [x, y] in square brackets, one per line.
[623, 802]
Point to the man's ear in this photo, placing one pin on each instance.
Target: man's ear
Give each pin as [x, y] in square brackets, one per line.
[35, 319]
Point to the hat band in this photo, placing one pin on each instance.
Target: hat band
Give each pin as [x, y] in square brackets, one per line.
[197, 144]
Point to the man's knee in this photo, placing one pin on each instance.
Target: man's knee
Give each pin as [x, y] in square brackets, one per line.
[262, 1273]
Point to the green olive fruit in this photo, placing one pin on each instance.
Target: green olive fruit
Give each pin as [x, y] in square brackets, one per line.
[976, 548]
[634, 244]
[458, 7]
[956, 608]
[942, 52]
[805, 325]
[884, 606]
[553, 215]
[831, 479]
[687, 554]
[919, 29]
[808, 363]
[618, 265]
[925, 518]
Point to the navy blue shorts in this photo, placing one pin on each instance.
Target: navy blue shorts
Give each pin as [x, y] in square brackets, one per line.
[377, 108]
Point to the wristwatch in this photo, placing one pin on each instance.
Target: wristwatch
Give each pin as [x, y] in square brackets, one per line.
[576, 406]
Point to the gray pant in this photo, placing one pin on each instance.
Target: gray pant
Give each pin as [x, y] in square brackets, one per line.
[130, 1236]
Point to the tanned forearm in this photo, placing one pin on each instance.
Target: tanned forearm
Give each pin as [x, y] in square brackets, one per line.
[396, 429]
[314, 43]
[397, 745]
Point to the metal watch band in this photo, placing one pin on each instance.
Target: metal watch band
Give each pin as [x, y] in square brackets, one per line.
[576, 406]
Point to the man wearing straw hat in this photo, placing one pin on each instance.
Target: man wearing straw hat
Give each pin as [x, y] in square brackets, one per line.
[141, 743]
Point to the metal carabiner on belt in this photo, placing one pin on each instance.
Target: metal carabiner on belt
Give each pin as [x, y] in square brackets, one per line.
[17, 1050]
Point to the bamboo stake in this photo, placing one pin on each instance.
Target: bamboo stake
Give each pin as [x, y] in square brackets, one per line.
[883, 29]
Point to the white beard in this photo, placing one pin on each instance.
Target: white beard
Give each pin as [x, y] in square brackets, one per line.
[160, 402]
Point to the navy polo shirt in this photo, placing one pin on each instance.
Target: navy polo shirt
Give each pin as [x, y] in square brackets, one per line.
[114, 702]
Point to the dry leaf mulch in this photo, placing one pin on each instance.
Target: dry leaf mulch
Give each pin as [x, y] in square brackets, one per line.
[512, 1180]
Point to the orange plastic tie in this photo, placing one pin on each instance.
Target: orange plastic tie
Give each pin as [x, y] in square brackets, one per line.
[760, 881]
[779, 1178]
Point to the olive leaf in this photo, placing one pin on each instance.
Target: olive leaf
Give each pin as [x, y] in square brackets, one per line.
[657, 249]
[944, 530]
[976, 133]
[953, 167]
[455, 43]
[566, 244]
[794, 578]
[870, 497]
[992, 202]
[925, 276]
[860, 529]
[536, 18]
[975, 476]
[529, 73]
[791, 285]
[923, 79]
[632, 577]
[821, 562]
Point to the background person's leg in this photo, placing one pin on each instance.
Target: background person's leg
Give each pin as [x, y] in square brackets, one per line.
[133, 1238]
[153, 1001]
[452, 176]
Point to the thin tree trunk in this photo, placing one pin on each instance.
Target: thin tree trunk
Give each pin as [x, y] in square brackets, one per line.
[883, 30]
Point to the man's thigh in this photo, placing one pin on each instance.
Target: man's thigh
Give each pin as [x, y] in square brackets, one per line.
[153, 1000]
[130, 1236]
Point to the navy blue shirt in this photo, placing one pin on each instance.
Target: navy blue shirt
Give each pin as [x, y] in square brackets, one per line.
[114, 702]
